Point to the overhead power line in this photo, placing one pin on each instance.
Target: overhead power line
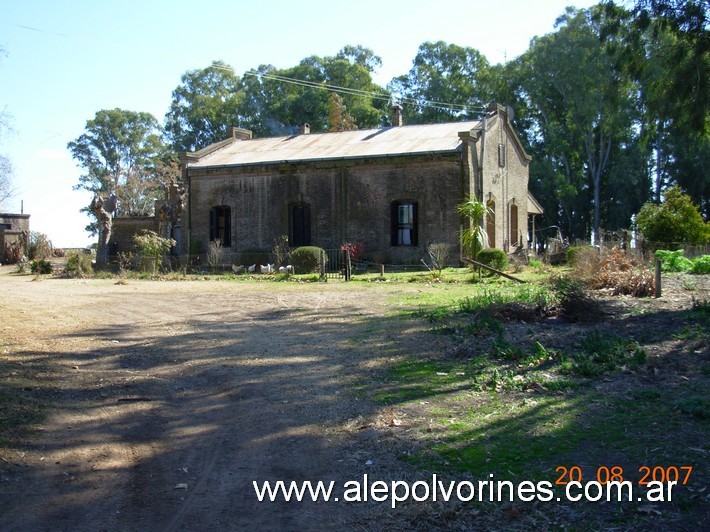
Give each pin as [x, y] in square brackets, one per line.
[445, 106]
[370, 94]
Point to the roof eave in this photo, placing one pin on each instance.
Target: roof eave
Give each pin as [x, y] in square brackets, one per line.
[328, 159]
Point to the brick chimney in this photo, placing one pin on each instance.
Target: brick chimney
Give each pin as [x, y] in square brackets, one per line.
[397, 120]
[304, 129]
[238, 133]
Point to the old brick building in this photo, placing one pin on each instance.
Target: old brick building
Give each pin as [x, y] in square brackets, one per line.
[394, 189]
[14, 230]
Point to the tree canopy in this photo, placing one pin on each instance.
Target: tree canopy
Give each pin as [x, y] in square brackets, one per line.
[613, 105]
[119, 152]
[446, 83]
[204, 105]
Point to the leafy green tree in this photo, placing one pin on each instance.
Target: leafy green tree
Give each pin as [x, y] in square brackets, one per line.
[118, 152]
[288, 97]
[443, 74]
[260, 96]
[687, 76]
[359, 55]
[205, 104]
[676, 220]
[584, 113]
[664, 46]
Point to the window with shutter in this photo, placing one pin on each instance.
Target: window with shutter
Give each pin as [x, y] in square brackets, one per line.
[404, 223]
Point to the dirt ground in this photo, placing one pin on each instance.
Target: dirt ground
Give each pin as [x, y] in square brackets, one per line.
[168, 399]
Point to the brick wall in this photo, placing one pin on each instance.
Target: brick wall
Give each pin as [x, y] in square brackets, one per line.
[350, 199]
[12, 229]
[123, 229]
[350, 202]
[505, 184]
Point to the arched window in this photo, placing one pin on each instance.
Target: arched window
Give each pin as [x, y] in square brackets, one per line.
[491, 223]
[513, 224]
[221, 225]
[404, 223]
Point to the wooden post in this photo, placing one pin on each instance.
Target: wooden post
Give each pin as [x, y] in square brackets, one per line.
[382, 270]
[657, 292]
[348, 265]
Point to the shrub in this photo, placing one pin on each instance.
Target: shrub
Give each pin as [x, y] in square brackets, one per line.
[673, 261]
[78, 265]
[493, 257]
[307, 259]
[215, 254]
[356, 249]
[701, 265]
[41, 266]
[152, 245]
[40, 247]
[438, 253]
[575, 301]
[195, 246]
[14, 253]
[677, 219]
[125, 260]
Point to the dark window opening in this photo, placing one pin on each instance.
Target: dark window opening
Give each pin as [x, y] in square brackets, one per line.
[220, 225]
[404, 223]
[514, 224]
[300, 224]
[491, 223]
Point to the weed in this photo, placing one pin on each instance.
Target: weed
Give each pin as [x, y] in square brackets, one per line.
[41, 266]
[701, 307]
[78, 265]
[695, 405]
[602, 353]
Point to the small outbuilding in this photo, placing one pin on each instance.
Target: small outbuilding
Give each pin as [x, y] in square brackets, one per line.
[14, 231]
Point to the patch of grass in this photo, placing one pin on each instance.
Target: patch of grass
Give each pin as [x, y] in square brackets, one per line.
[410, 379]
[695, 405]
[602, 353]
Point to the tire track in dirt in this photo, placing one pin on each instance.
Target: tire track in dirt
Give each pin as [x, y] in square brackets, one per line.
[243, 383]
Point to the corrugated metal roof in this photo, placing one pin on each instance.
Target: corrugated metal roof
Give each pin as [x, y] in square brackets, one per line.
[403, 140]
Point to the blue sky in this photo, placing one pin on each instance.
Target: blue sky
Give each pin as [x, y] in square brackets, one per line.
[65, 60]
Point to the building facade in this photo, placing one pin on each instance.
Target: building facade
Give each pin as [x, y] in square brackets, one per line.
[14, 231]
[394, 189]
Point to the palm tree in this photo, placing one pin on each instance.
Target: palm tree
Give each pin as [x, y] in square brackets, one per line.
[474, 237]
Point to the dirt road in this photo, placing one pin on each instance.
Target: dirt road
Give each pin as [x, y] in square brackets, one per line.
[170, 399]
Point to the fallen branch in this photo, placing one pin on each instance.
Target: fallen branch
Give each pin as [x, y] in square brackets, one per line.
[486, 267]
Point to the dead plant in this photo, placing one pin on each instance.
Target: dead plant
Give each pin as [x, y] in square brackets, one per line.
[623, 274]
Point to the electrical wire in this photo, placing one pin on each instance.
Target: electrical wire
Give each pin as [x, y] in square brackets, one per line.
[375, 95]
[445, 106]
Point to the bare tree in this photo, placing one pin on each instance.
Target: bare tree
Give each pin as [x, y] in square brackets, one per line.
[6, 172]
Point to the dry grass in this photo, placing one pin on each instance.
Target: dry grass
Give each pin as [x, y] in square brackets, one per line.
[614, 270]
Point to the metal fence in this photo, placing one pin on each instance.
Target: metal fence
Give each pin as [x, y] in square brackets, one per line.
[336, 265]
